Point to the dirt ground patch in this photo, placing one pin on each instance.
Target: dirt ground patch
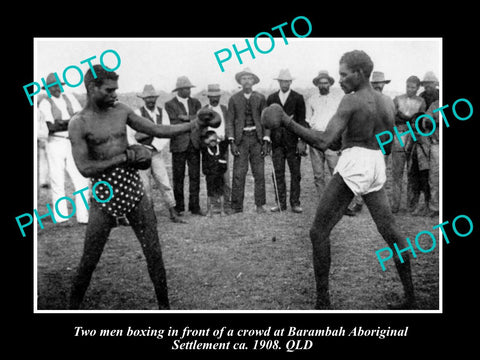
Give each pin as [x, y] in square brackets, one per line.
[231, 263]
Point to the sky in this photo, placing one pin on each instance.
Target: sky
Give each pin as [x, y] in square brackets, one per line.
[160, 61]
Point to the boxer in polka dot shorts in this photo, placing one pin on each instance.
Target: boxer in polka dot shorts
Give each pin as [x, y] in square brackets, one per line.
[100, 150]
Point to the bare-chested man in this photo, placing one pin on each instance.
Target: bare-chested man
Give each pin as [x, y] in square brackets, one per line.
[100, 150]
[362, 113]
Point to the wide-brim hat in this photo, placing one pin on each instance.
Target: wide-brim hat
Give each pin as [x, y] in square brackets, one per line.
[379, 77]
[148, 91]
[247, 71]
[323, 74]
[429, 77]
[213, 90]
[51, 78]
[183, 82]
[284, 75]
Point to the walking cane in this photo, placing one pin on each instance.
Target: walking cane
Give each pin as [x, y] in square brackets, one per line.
[274, 178]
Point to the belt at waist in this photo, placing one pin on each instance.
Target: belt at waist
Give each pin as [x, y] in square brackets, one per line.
[58, 136]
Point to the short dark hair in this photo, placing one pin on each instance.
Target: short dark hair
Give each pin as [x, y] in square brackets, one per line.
[358, 60]
[414, 79]
[101, 75]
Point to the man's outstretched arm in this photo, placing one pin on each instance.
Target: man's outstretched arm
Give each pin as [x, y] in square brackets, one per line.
[274, 117]
[204, 118]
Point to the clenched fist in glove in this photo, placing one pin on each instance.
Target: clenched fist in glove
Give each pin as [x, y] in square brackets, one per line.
[208, 117]
[138, 157]
[274, 117]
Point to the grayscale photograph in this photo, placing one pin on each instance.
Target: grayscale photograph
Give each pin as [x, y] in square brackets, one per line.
[302, 179]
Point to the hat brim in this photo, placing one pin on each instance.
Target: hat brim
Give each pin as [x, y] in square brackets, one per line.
[183, 87]
[43, 87]
[422, 83]
[213, 93]
[317, 79]
[283, 79]
[381, 81]
[238, 76]
[143, 96]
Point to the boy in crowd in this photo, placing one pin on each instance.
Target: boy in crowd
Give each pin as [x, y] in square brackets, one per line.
[214, 166]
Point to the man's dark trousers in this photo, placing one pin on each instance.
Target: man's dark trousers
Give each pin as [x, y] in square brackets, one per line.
[284, 148]
[280, 155]
[191, 158]
[250, 150]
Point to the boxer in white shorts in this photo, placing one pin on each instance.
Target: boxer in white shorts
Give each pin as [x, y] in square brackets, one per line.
[362, 169]
[362, 113]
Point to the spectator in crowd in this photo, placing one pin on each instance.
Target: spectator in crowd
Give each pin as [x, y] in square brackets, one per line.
[249, 140]
[406, 106]
[157, 146]
[57, 111]
[214, 94]
[185, 148]
[214, 166]
[378, 81]
[430, 92]
[286, 146]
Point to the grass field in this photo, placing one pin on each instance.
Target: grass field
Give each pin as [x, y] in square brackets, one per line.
[231, 263]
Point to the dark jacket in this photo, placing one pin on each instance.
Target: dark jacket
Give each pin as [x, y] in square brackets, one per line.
[215, 164]
[294, 105]
[236, 115]
[175, 108]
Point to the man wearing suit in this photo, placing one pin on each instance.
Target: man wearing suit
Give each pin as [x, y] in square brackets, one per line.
[185, 148]
[214, 93]
[249, 140]
[286, 146]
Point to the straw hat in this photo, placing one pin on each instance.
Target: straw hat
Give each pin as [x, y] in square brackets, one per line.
[51, 78]
[183, 82]
[379, 77]
[247, 71]
[284, 75]
[323, 74]
[213, 90]
[429, 77]
[148, 91]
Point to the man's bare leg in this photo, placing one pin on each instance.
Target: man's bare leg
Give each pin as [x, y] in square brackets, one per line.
[379, 208]
[96, 236]
[144, 224]
[333, 203]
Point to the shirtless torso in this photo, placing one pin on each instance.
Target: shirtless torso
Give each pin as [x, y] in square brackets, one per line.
[362, 113]
[98, 135]
[359, 117]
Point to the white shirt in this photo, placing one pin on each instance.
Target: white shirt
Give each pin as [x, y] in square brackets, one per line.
[46, 109]
[221, 129]
[320, 109]
[284, 96]
[184, 102]
[42, 129]
[217, 150]
[158, 143]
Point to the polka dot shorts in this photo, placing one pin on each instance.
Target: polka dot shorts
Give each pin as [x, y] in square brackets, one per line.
[127, 190]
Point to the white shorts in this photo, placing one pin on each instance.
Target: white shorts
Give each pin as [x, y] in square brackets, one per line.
[363, 170]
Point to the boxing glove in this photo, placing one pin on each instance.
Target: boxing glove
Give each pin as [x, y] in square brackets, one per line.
[208, 117]
[138, 157]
